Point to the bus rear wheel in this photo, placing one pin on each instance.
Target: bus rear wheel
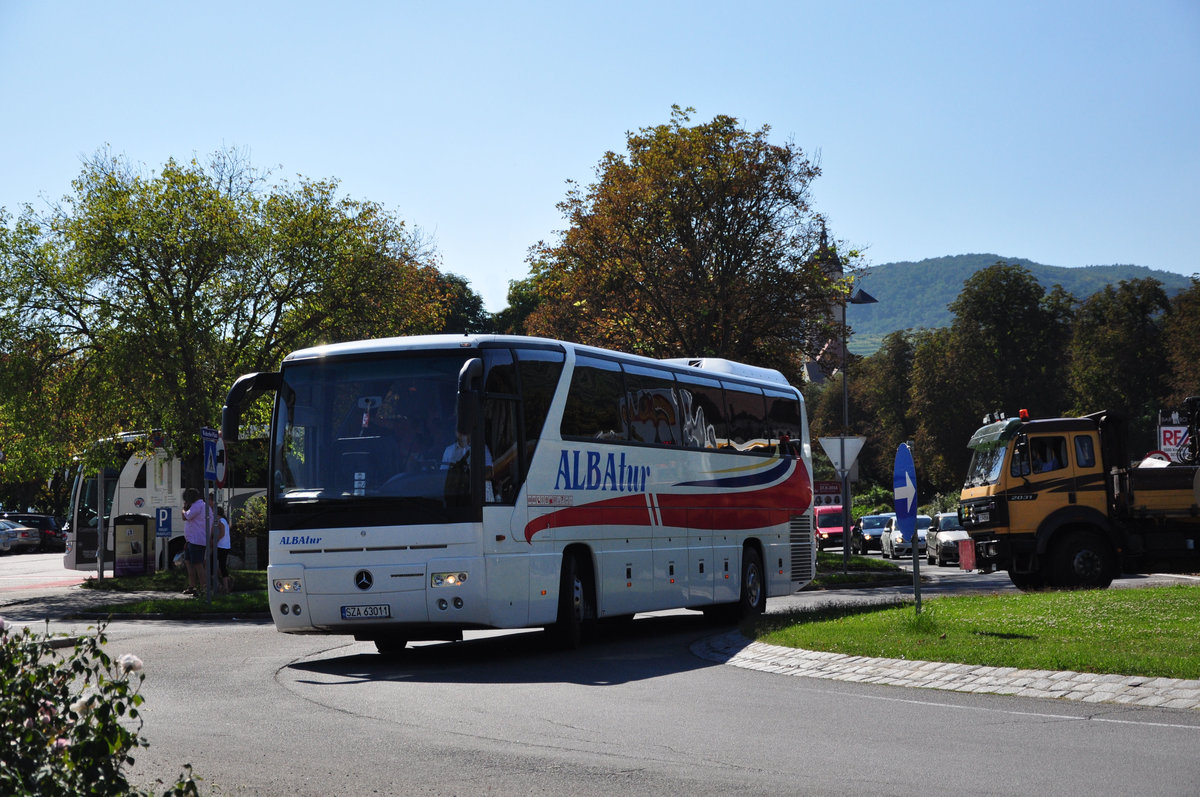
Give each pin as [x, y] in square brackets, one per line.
[754, 585]
[752, 601]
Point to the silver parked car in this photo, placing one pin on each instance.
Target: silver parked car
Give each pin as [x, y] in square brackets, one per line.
[24, 538]
[942, 539]
[896, 545]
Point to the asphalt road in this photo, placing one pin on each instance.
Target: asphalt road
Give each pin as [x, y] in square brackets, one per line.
[258, 712]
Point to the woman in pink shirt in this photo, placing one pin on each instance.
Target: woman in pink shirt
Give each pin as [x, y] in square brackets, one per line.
[195, 533]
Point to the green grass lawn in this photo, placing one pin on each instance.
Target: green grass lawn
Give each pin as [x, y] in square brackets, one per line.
[833, 573]
[233, 603]
[1152, 631]
[249, 594]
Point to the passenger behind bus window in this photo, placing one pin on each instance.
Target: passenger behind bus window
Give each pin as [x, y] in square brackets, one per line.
[457, 461]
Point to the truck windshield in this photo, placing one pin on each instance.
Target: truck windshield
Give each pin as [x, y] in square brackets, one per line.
[986, 465]
[373, 439]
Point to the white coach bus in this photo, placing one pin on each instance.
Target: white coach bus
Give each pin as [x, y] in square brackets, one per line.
[427, 485]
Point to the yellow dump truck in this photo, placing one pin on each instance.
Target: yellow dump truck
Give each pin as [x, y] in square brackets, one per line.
[1058, 503]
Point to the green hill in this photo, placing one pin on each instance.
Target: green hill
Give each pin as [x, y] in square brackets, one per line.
[914, 295]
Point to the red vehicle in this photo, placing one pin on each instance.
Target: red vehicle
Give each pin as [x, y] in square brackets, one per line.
[829, 527]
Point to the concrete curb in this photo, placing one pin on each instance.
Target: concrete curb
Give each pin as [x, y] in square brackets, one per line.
[737, 650]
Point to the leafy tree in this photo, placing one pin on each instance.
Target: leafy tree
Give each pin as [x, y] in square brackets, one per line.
[884, 380]
[463, 307]
[1014, 335]
[1004, 351]
[1118, 356]
[1182, 331]
[140, 298]
[523, 299]
[699, 241]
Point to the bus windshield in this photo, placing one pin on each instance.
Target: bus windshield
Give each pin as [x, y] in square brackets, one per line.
[372, 432]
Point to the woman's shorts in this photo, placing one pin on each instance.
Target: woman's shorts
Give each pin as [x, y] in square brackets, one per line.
[195, 553]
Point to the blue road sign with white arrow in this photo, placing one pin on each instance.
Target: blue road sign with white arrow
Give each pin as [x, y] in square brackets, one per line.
[904, 483]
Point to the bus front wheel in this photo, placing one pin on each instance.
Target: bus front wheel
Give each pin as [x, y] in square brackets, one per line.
[390, 645]
[575, 606]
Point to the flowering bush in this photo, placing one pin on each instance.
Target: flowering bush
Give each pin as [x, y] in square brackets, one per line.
[69, 721]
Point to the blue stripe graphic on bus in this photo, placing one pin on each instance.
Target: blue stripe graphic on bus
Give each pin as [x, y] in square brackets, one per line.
[744, 480]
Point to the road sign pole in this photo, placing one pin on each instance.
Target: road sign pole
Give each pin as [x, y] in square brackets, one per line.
[904, 484]
[209, 439]
[842, 452]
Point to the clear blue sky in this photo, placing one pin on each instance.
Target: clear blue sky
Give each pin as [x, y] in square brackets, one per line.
[1063, 132]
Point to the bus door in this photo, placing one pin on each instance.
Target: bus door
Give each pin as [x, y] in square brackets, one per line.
[85, 517]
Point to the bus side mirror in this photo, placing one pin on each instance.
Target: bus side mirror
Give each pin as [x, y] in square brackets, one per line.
[244, 390]
[467, 408]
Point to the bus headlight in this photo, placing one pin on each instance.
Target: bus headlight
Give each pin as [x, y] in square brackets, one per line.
[288, 585]
[447, 579]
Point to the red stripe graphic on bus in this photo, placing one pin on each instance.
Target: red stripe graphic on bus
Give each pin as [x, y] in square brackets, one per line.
[747, 509]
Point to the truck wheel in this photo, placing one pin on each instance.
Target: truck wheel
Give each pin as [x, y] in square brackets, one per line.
[1081, 560]
[1027, 582]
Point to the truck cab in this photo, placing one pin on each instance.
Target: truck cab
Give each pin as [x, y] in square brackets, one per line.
[1035, 502]
[1055, 502]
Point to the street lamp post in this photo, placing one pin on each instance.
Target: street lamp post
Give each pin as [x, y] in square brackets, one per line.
[859, 297]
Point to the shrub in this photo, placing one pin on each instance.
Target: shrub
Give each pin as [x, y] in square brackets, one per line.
[69, 721]
[251, 520]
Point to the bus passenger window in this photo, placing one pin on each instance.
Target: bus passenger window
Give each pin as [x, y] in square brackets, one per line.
[747, 418]
[594, 408]
[651, 405]
[700, 411]
[783, 419]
